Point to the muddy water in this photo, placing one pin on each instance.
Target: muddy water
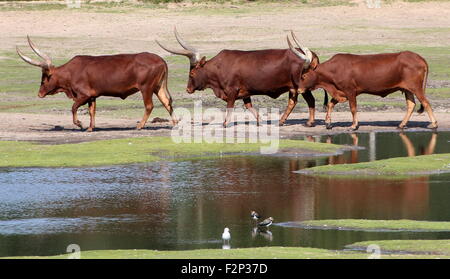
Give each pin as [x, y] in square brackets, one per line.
[186, 205]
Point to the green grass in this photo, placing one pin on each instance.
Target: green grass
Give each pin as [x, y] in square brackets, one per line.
[437, 247]
[243, 253]
[201, 6]
[394, 167]
[131, 150]
[363, 224]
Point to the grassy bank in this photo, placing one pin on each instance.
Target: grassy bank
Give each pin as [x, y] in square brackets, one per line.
[394, 167]
[362, 224]
[218, 6]
[132, 150]
[436, 247]
[254, 253]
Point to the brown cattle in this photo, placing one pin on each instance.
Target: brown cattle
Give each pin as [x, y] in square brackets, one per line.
[236, 74]
[85, 78]
[345, 76]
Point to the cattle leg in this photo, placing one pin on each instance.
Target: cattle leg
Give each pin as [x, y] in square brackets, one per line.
[309, 98]
[148, 103]
[229, 112]
[330, 107]
[410, 105]
[92, 104]
[352, 102]
[293, 97]
[424, 101]
[75, 107]
[248, 105]
[165, 99]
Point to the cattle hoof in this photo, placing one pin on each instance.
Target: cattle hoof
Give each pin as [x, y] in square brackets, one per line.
[78, 123]
[310, 124]
[225, 124]
[353, 128]
[281, 123]
[328, 126]
[90, 130]
[432, 126]
[402, 127]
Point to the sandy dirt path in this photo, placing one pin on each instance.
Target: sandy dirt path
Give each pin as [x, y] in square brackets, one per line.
[58, 129]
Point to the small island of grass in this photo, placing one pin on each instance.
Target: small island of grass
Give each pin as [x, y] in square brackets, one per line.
[431, 247]
[394, 167]
[372, 225]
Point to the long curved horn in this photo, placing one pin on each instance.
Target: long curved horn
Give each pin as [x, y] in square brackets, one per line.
[305, 50]
[44, 56]
[299, 54]
[182, 42]
[178, 52]
[189, 54]
[31, 61]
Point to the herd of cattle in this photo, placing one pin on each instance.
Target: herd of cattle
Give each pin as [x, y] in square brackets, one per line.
[236, 74]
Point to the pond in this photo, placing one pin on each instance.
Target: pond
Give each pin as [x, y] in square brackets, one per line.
[186, 204]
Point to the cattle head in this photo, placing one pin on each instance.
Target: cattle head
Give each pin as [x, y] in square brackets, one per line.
[49, 80]
[308, 78]
[197, 73]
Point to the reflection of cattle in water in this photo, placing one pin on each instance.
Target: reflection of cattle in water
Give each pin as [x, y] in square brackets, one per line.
[428, 150]
[245, 182]
[354, 153]
[377, 198]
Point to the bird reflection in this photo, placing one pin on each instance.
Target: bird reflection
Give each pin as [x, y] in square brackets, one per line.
[264, 232]
[226, 246]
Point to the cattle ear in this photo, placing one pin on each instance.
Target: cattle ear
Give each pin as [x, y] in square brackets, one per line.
[314, 63]
[48, 70]
[202, 61]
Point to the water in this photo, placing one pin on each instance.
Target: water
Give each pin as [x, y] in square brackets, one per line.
[186, 204]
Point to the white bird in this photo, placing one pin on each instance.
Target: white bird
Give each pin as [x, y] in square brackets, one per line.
[226, 236]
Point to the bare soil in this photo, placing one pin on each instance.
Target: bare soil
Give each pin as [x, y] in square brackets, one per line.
[57, 129]
[212, 29]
